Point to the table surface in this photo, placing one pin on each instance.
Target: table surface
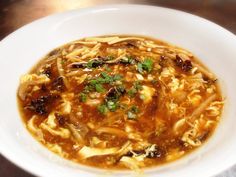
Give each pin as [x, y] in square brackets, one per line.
[16, 13]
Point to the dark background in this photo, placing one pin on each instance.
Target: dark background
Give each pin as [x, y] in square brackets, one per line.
[16, 13]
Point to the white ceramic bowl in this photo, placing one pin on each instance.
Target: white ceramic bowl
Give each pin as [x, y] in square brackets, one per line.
[23, 48]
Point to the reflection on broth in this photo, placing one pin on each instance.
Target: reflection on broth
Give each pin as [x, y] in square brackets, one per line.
[120, 102]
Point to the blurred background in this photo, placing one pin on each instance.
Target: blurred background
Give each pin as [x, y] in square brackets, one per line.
[17, 13]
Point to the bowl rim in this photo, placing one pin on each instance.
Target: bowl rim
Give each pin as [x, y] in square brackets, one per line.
[34, 170]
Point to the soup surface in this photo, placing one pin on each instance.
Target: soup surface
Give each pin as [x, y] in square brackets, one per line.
[120, 102]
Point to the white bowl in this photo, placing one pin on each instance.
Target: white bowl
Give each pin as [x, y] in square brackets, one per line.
[19, 51]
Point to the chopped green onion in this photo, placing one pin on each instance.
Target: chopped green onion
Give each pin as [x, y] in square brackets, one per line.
[102, 109]
[82, 97]
[63, 61]
[138, 86]
[107, 68]
[127, 60]
[117, 77]
[132, 92]
[99, 88]
[105, 75]
[94, 63]
[140, 67]
[112, 106]
[93, 82]
[132, 113]
[88, 88]
[146, 65]
[135, 88]
[134, 109]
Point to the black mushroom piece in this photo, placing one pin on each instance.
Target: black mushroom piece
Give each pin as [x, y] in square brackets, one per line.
[184, 65]
[82, 64]
[99, 61]
[149, 153]
[93, 63]
[157, 152]
[54, 52]
[58, 84]
[209, 81]
[178, 61]
[60, 119]
[40, 105]
[96, 62]
[43, 88]
[204, 135]
[162, 61]
[48, 72]
[137, 152]
[115, 93]
[129, 60]
[131, 44]
[187, 66]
